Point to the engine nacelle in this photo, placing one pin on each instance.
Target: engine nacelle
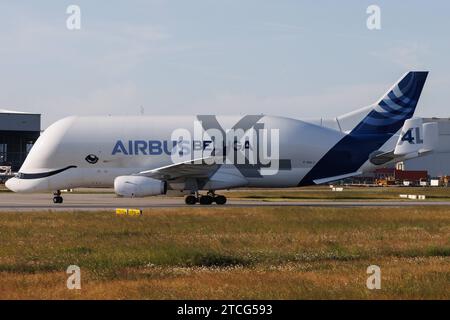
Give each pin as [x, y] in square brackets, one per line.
[138, 186]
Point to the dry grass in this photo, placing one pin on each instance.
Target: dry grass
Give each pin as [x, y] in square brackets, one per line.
[349, 193]
[200, 253]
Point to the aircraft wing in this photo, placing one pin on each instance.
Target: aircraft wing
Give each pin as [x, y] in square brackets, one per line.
[336, 178]
[197, 168]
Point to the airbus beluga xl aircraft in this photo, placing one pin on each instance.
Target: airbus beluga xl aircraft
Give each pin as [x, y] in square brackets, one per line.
[148, 155]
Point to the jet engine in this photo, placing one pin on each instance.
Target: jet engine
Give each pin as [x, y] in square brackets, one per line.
[138, 186]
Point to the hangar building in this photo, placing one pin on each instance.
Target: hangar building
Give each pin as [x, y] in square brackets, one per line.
[437, 163]
[18, 132]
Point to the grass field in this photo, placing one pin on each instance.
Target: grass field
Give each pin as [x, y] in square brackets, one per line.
[212, 253]
[349, 193]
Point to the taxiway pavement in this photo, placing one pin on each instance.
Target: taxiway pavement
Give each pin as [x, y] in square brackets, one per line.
[14, 202]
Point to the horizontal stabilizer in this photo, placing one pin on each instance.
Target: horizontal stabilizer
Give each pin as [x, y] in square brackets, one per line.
[417, 137]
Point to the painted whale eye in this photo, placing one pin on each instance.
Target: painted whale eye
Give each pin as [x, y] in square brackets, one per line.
[92, 158]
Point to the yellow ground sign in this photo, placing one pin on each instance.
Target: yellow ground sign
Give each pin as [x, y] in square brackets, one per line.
[121, 211]
[134, 212]
[130, 212]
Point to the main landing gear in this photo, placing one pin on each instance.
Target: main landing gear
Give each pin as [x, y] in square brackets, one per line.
[57, 197]
[207, 199]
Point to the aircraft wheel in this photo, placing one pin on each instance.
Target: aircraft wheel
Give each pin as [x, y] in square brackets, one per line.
[220, 200]
[206, 200]
[58, 199]
[190, 200]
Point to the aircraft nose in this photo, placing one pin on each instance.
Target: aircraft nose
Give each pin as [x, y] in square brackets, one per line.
[27, 185]
[11, 184]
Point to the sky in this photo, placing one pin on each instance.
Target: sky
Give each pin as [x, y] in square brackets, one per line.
[301, 59]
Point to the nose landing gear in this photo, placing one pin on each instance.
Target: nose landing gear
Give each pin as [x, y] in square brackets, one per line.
[207, 199]
[57, 197]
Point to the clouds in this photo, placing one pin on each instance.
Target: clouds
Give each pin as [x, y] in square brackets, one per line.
[294, 59]
[123, 98]
[327, 103]
[284, 28]
[117, 48]
[410, 56]
[75, 72]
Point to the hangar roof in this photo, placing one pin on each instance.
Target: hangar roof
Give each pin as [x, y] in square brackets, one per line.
[11, 111]
[19, 121]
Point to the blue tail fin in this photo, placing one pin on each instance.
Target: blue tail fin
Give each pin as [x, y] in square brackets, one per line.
[396, 106]
[384, 119]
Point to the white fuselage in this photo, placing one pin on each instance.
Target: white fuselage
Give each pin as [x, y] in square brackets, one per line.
[129, 145]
